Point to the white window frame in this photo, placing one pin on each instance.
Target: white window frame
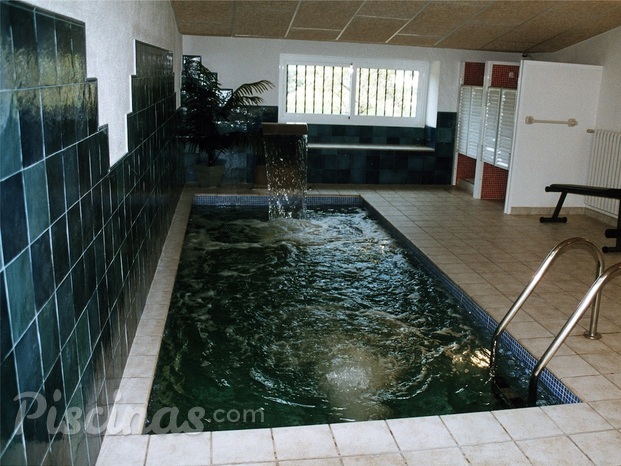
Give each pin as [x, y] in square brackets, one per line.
[352, 119]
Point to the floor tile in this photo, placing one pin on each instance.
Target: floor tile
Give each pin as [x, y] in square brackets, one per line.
[527, 423]
[442, 456]
[304, 442]
[610, 410]
[128, 450]
[420, 433]
[242, 446]
[312, 462]
[179, 449]
[365, 438]
[553, 450]
[389, 459]
[593, 388]
[577, 418]
[475, 428]
[602, 447]
[503, 453]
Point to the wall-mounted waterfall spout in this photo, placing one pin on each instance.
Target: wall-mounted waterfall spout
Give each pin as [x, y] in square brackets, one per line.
[285, 156]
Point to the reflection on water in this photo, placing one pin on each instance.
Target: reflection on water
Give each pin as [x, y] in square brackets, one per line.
[322, 319]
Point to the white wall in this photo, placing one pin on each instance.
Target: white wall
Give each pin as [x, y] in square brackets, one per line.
[112, 27]
[544, 154]
[604, 50]
[240, 60]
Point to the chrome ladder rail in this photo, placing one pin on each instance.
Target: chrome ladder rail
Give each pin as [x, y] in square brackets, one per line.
[555, 253]
[591, 296]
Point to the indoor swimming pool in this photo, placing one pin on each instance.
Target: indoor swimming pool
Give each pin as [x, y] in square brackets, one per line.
[318, 320]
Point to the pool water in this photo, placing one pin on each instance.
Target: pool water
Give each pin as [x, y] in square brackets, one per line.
[320, 320]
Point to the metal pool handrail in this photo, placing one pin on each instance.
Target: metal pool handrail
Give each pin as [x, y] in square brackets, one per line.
[592, 295]
[555, 253]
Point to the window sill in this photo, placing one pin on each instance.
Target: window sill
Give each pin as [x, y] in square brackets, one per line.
[393, 147]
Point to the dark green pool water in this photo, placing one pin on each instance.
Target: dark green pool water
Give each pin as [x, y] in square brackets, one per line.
[296, 322]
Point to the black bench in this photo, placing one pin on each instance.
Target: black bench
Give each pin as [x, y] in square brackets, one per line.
[595, 191]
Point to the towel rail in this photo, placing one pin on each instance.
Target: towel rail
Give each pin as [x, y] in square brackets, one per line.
[570, 122]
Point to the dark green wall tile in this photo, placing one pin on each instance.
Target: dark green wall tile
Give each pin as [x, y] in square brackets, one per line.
[60, 249]
[30, 126]
[78, 51]
[28, 360]
[8, 406]
[13, 217]
[7, 62]
[68, 114]
[6, 340]
[72, 181]
[20, 294]
[55, 186]
[50, 345]
[24, 47]
[37, 204]
[52, 119]
[65, 309]
[64, 64]
[11, 160]
[46, 49]
[69, 356]
[42, 269]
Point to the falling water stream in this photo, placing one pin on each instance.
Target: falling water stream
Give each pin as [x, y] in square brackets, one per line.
[285, 156]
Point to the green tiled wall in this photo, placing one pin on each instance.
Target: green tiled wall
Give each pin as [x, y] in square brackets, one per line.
[373, 166]
[79, 240]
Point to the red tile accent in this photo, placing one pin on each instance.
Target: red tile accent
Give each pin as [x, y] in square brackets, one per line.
[501, 76]
[466, 168]
[474, 74]
[494, 184]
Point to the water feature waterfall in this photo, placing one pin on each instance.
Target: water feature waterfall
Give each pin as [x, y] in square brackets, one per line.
[285, 157]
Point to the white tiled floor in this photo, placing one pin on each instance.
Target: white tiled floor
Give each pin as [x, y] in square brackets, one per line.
[491, 256]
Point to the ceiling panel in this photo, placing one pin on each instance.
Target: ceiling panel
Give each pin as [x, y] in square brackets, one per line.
[325, 15]
[514, 25]
[368, 29]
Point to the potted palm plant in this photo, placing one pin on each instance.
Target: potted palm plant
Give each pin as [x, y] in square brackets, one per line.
[216, 120]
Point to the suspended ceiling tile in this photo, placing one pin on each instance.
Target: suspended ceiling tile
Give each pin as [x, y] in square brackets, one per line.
[414, 40]
[511, 13]
[499, 45]
[559, 42]
[473, 36]
[313, 34]
[366, 29]
[542, 25]
[537, 30]
[440, 18]
[263, 18]
[320, 14]
[391, 8]
[216, 15]
[194, 28]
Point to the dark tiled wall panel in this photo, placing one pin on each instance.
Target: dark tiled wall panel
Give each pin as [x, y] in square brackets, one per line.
[373, 166]
[79, 240]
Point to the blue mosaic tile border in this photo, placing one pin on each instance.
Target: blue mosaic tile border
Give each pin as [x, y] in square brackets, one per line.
[258, 200]
[547, 379]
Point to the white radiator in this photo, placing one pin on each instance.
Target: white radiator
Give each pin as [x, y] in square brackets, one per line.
[605, 169]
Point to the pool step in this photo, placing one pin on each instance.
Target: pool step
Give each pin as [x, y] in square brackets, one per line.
[502, 389]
